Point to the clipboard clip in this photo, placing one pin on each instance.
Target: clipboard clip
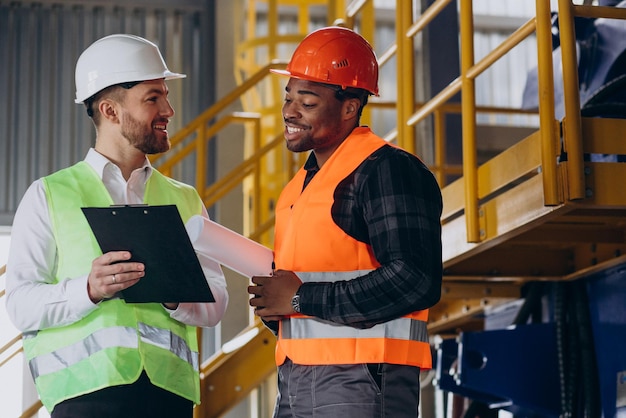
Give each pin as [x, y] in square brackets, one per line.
[137, 206]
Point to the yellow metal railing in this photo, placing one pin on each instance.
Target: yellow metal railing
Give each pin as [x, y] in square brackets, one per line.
[230, 375]
[465, 84]
[572, 125]
[12, 348]
[194, 139]
[546, 98]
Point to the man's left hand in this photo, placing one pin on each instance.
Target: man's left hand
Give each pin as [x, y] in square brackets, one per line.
[272, 294]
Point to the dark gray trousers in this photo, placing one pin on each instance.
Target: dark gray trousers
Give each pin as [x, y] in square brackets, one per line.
[347, 391]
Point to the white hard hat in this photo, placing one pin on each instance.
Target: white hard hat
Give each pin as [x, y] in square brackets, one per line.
[117, 59]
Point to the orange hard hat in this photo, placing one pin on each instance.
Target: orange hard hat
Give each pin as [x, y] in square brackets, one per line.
[335, 55]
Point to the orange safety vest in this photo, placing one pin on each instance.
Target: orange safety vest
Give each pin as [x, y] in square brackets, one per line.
[308, 242]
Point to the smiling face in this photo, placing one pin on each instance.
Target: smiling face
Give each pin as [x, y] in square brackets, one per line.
[145, 114]
[315, 119]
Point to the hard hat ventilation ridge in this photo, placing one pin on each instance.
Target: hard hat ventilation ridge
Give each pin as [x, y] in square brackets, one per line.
[341, 64]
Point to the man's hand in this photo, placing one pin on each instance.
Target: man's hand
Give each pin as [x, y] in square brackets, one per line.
[111, 273]
[271, 295]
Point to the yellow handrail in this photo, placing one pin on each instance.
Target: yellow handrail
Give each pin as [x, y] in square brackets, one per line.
[198, 126]
[547, 124]
[3, 269]
[465, 84]
[468, 115]
[406, 75]
[600, 11]
[437, 101]
[502, 49]
[194, 138]
[223, 103]
[572, 124]
[226, 388]
[6, 348]
[32, 410]
[222, 186]
[426, 17]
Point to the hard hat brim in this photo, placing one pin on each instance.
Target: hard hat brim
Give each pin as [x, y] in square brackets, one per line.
[280, 72]
[168, 75]
[314, 80]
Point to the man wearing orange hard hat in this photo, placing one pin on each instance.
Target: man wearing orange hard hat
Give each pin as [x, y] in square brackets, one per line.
[357, 247]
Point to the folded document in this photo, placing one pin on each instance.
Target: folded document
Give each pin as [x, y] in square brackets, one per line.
[229, 248]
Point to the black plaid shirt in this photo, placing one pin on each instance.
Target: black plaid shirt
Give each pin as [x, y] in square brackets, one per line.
[393, 203]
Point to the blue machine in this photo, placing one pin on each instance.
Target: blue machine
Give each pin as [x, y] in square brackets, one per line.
[607, 306]
[572, 365]
[513, 369]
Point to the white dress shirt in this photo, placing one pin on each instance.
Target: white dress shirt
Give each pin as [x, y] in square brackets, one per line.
[34, 302]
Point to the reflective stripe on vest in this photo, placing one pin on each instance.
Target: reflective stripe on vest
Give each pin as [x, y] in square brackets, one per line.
[167, 340]
[116, 341]
[399, 329]
[71, 354]
[109, 338]
[308, 242]
[309, 339]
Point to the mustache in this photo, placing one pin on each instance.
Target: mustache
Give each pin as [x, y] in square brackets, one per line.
[293, 122]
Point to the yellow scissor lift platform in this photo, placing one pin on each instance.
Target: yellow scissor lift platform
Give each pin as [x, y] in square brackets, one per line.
[521, 238]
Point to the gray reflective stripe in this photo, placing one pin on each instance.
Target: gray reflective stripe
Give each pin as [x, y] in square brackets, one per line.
[112, 337]
[80, 350]
[330, 276]
[401, 329]
[303, 328]
[167, 340]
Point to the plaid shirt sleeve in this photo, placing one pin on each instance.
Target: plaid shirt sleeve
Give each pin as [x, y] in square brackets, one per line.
[393, 203]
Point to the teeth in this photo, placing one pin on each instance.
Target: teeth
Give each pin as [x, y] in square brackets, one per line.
[162, 127]
[293, 130]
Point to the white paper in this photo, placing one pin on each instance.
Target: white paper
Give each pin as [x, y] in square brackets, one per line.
[229, 248]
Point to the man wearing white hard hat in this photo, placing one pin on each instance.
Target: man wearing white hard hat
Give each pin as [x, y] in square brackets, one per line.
[92, 354]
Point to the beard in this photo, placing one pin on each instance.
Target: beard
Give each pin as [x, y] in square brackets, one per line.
[142, 138]
[304, 145]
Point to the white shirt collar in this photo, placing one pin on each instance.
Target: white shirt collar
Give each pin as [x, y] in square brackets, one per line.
[99, 162]
[129, 192]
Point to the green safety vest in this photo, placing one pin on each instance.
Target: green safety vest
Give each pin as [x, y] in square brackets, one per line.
[115, 342]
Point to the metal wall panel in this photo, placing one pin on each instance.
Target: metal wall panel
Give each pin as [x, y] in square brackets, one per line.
[41, 129]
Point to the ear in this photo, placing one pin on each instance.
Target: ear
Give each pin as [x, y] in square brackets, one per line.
[351, 108]
[109, 110]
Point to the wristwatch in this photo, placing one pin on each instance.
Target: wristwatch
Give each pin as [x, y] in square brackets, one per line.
[295, 302]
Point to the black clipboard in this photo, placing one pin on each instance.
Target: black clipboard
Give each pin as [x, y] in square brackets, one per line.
[156, 237]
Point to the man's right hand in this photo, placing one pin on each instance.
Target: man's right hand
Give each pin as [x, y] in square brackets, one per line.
[111, 273]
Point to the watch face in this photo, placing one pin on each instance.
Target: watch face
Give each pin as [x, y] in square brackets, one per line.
[295, 303]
